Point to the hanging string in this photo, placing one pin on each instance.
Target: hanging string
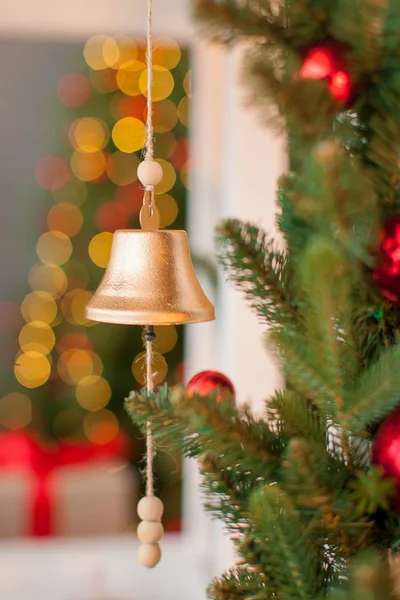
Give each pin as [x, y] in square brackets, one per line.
[149, 153]
[149, 436]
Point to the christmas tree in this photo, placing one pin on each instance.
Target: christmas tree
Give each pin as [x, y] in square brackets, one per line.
[311, 493]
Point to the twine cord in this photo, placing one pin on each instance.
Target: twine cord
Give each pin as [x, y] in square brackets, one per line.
[149, 153]
[149, 437]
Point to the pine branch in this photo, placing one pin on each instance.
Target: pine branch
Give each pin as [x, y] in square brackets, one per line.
[289, 559]
[258, 269]
[376, 394]
[238, 584]
[293, 416]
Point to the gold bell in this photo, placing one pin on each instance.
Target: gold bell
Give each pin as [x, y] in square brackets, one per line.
[150, 279]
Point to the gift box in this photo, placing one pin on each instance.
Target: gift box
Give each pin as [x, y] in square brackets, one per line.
[72, 489]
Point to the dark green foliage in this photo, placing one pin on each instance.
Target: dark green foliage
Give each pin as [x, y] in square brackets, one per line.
[310, 517]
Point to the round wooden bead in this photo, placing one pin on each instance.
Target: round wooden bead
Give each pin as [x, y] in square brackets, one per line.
[150, 508]
[150, 172]
[150, 532]
[149, 555]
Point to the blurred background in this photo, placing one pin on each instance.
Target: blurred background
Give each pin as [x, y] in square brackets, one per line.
[72, 113]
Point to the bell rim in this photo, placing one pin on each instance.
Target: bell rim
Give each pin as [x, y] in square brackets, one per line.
[142, 321]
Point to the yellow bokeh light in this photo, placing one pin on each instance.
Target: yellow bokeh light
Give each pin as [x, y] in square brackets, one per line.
[183, 110]
[166, 338]
[163, 83]
[100, 52]
[88, 167]
[39, 306]
[47, 279]
[187, 83]
[73, 307]
[166, 52]
[89, 134]
[160, 368]
[100, 248]
[75, 364]
[128, 51]
[128, 77]
[37, 336]
[128, 134]
[169, 177]
[165, 116]
[65, 217]
[93, 393]
[122, 168]
[101, 427]
[32, 369]
[168, 209]
[73, 192]
[15, 411]
[54, 248]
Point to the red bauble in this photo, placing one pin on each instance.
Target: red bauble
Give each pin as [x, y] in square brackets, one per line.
[326, 62]
[386, 451]
[387, 273]
[207, 381]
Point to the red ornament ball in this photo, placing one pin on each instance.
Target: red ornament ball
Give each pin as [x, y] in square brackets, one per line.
[207, 381]
[326, 62]
[386, 451]
[387, 273]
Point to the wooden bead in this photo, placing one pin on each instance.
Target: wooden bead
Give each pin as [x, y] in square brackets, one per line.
[150, 508]
[150, 532]
[149, 555]
[150, 172]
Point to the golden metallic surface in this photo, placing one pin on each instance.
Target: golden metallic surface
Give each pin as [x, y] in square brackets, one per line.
[150, 280]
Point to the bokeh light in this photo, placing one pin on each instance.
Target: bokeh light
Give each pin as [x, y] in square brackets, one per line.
[128, 106]
[183, 111]
[73, 90]
[163, 83]
[104, 82]
[39, 306]
[51, 172]
[122, 168]
[54, 248]
[100, 248]
[128, 77]
[111, 216]
[15, 411]
[129, 134]
[166, 338]
[89, 134]
[65, 217]
[37, 336]
[88, 166]
[76, 340]
[101, 427]
[166, 52]
[73, 307]
[11, 319]
[165, 116]
[100, 52]
[73, 192]
[185, 175]
[47, 278]
[187, 83]
[168, 209]
[159, 370]
[169, 177]
[128, 51]
[75, 364]
[32, 369]
[93, 393]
